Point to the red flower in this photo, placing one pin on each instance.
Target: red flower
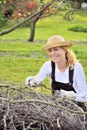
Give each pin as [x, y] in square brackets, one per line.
[31, 5]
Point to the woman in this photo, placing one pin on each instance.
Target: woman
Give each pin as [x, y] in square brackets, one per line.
[65, 71]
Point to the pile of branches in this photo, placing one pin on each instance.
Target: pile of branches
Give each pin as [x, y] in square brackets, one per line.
[25, 109]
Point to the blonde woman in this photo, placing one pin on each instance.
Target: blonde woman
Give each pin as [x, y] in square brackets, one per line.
[66, 73]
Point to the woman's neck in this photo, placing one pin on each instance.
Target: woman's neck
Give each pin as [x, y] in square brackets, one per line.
[62, 66]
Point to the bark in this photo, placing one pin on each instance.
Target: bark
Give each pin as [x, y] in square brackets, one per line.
[33, 24]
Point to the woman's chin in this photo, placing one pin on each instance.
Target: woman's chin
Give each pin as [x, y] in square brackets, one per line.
[55, 61]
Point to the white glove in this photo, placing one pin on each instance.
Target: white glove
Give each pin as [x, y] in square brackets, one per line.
[68, 94]
[32, 81]
[27, 81]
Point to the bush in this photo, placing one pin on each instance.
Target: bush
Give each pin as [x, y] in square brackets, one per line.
[3, 20]
[78, 29]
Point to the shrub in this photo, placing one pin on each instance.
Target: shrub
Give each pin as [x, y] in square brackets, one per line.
[78, 29]
[3, 20]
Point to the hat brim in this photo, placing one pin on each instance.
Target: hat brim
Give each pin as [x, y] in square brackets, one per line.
[59, 44]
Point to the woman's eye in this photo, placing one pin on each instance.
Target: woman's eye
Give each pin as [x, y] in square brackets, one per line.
[56, 49]
[49, 50]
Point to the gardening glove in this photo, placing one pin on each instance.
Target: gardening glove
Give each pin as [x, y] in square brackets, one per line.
[68, 94]
[32, 81]
[27, 80]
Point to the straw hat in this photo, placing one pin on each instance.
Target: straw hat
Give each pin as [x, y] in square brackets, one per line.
[56, 41]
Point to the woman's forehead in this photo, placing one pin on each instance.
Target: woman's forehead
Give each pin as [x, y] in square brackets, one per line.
[53, 48]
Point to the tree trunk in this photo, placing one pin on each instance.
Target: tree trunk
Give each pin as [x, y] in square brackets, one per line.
[33, 24]
[32, 31]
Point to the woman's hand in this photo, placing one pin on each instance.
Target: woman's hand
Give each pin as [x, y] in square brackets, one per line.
[67, 94]
[32, 81]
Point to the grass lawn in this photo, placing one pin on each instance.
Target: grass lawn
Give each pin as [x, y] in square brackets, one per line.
[54, 25]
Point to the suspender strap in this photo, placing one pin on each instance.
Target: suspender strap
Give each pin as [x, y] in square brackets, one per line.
[71, 72]
[53, 70]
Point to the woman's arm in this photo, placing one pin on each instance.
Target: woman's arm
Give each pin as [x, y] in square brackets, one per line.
[45, 71]
[79, 80]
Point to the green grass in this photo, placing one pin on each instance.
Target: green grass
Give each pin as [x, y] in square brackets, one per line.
[20, 58]
[19, 61]
[57, 26]
[54, 25]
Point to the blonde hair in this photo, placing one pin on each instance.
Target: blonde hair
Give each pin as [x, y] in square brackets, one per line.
[71, 57]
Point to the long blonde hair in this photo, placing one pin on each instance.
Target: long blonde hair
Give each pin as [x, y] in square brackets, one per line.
[71, 57]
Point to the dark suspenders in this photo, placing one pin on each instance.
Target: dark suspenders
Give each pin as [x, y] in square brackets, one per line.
[71, 72]
[53, 70]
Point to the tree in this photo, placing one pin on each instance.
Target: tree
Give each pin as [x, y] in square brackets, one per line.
[24, 11]
[33, 17]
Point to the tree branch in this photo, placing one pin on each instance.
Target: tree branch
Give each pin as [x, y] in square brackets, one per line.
[27, 19]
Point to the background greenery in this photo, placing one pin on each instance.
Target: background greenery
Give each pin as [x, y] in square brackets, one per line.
[19, 58]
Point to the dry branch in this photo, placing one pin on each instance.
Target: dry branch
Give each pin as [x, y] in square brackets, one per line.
[29, 110]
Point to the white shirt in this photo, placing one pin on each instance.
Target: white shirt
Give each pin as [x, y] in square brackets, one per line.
[79, 81]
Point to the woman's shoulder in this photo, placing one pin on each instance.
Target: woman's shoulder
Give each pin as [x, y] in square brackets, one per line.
[47, 63]
[78, 65]
[46, 67]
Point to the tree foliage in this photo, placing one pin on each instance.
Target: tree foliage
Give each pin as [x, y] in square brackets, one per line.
[30, 11]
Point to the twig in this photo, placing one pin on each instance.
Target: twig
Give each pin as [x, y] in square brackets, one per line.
[5, 125]
[58, 124]
[29, 126]
[8, 108]
[42, 102]
[23, 125]
[47, 103]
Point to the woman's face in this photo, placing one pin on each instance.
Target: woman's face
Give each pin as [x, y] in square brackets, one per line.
[57, 54]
